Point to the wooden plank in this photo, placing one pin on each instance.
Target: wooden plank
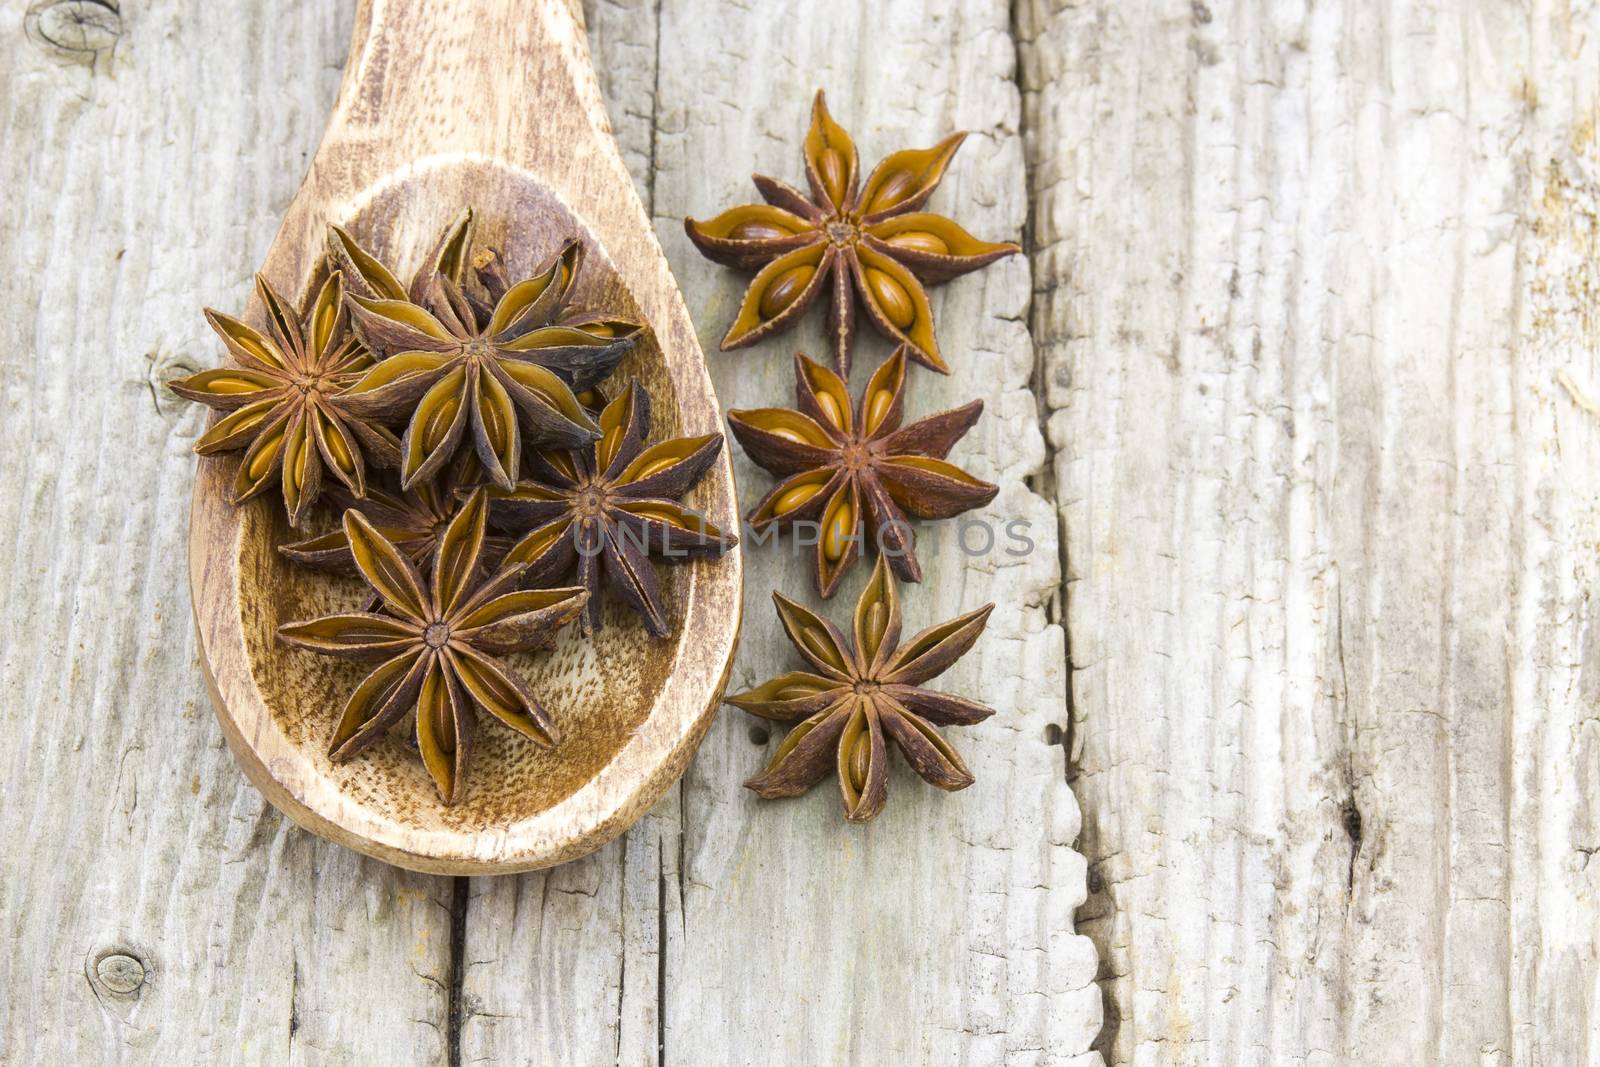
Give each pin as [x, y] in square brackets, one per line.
[563, 966]
[719, 926]
[942, 932]
[1308, 276]
[140, 184]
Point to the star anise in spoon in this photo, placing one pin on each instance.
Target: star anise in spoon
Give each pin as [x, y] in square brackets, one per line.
[438, 639]
[845, 467]
[412, 520]
[283, 401]
[859, 692]
[861, 243]
[610, 507]
[493, 371]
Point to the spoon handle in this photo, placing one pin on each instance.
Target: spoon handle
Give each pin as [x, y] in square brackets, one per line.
[510, 80]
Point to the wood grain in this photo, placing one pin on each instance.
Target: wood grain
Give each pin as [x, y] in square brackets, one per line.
[127, 827]
[719, 928]
[771, 932]
[1308, 276]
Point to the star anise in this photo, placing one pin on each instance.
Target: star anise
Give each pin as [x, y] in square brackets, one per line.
[859, 242]
[438, 639]
[860, 691]
[610, 507]
[413, 520]
[283, 401]
[846, 467]
[497, 368]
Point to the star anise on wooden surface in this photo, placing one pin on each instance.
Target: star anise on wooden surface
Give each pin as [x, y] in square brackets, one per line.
[492, 368]
[283, 401]
[862, 243]
[861, 691]
[847, 467]
[608, 508]
[438, 639]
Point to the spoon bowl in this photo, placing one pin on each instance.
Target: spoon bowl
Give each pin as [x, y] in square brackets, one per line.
[499, 113]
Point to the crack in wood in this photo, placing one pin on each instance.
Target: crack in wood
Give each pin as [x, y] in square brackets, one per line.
[455, 1004]
[661, 958]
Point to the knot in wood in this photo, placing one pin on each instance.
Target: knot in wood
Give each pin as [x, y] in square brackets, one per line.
[77, 31]
[120, 973]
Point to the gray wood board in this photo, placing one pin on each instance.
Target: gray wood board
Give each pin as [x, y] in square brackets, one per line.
[1307, 280]
[150, 155]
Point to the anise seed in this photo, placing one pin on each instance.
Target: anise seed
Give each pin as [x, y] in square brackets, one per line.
[920, 241]
[840, 521]
[891, 298]
[785, 288]
[795, 497]
[891, 192]
[757, 230]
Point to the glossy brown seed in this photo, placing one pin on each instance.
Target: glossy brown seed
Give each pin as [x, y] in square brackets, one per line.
[891, 298]
[598, 329]
[497, 419]
[757, 230]
[444, 734]
[833, 174]
[795, 497]
[294, 466]
[789, 434]
[251, 420]
[229, 384]
[661, 515]
[785, 288]
[264, 458]
[830, 408]
[920, 241]
[860, 760]
[533, 546]
[892, 191]
[837, 528]
[249, 344]
[878, 407]
[341, 455]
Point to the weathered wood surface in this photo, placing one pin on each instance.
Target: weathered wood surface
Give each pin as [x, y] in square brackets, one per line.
[1307, 280]
[149, 155]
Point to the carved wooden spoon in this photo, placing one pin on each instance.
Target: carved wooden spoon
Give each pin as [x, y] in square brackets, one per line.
[491, 104]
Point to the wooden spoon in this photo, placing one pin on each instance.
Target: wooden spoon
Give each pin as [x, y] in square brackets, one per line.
[491, 104]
